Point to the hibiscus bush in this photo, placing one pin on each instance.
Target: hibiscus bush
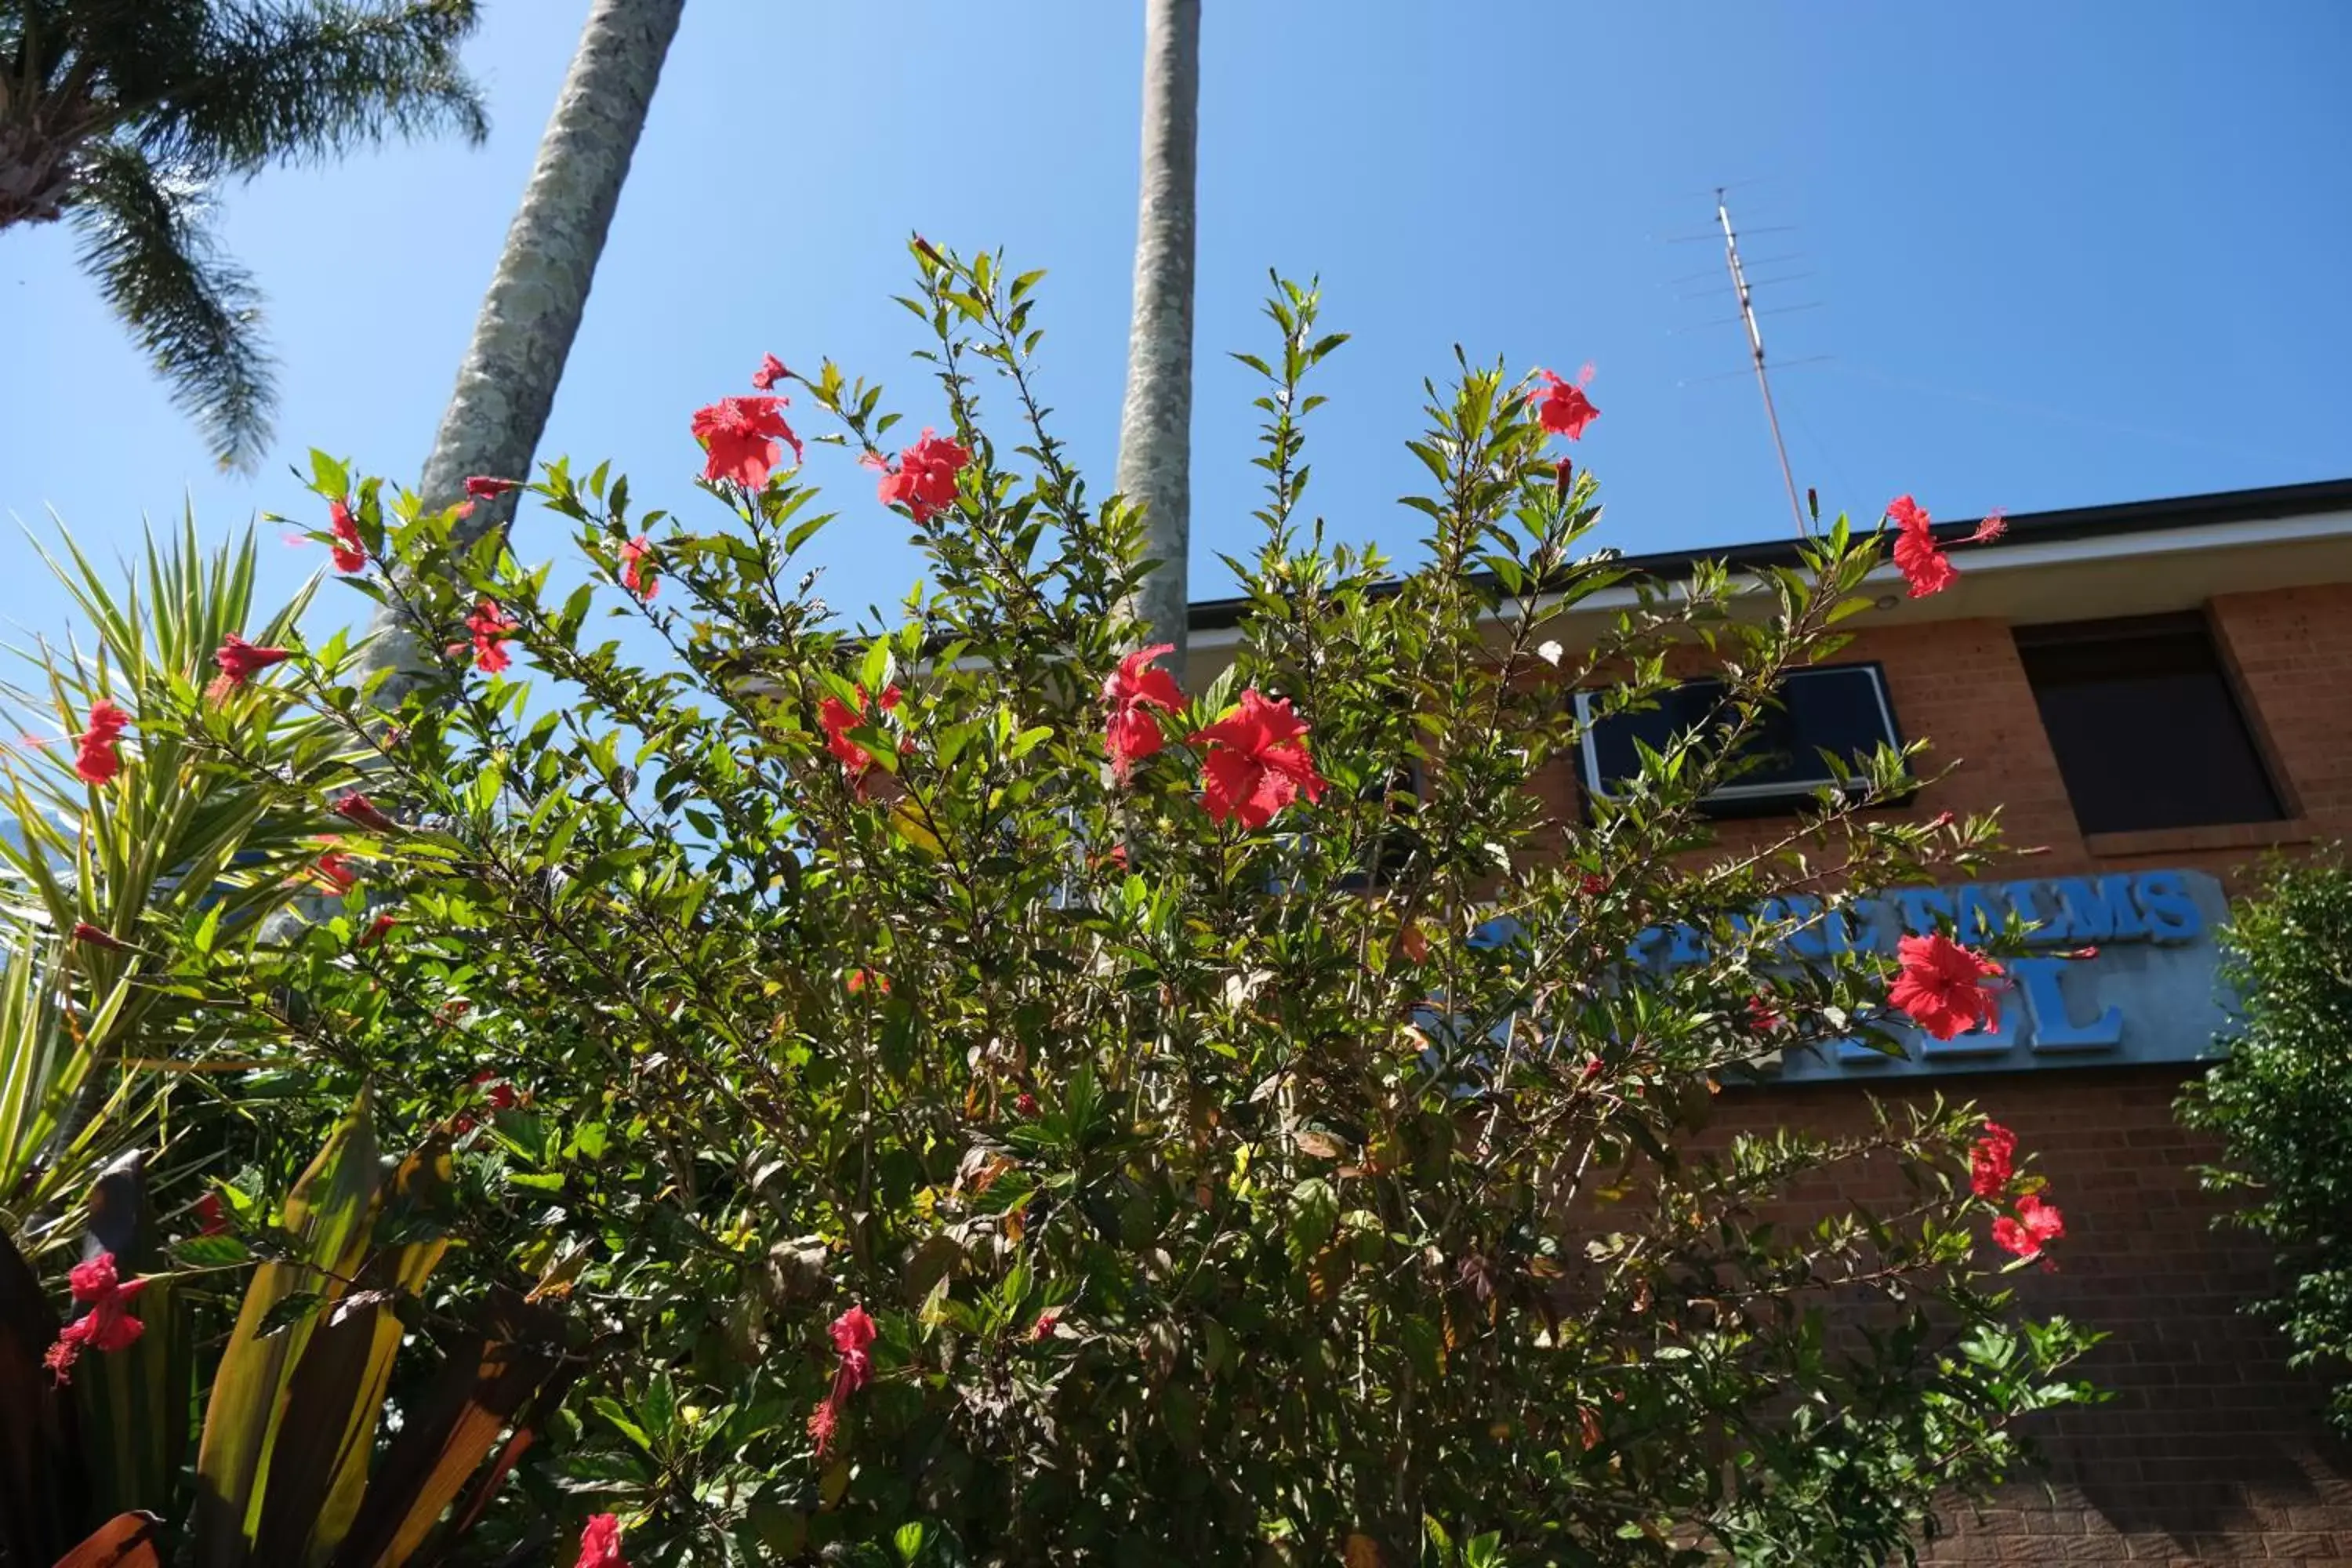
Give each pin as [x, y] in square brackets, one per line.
[2277, 1102]
[987, 1096]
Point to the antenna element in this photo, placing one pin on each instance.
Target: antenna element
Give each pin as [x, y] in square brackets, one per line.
[1756, 347]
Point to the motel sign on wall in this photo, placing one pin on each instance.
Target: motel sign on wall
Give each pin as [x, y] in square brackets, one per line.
[2151, 994]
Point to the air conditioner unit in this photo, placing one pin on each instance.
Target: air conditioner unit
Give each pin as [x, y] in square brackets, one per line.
[1839, 709]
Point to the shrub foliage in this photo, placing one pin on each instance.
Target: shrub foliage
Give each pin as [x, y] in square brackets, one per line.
[961, 1149]
[2278, 1101]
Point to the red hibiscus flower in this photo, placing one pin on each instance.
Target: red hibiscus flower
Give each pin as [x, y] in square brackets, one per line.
[107, 1325]
[853, 1337]
[98, 750]
[335, 870]
[1920, 559]
[600, 1544]
[1917, 554]
[858, 980]
[771, 371]
[1257, 761]
[1993, 1162]
[1047, 1322]
[490, 627]
[1130, 691]
[739, 436]
[350, 554]
[1762, 1017]
[636, 568]
[1563, 407]
[378, 929]
[1593, 884]
[2036, 1223]
[1942, 985]
[482, 487]
[838, 719]
[212, 1215]
[360, 810]
[925, 479]
[240, 660]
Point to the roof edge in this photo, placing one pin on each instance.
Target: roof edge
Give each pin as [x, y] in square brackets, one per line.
[2216, 507]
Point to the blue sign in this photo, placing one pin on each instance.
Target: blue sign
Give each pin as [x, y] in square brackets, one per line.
[2149, 995]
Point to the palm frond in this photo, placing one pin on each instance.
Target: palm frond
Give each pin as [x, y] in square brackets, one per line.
[286, 84]
[143, 239]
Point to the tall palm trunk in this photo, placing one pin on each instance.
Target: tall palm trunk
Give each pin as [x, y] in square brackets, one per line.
[1155, 426]
[507, 385]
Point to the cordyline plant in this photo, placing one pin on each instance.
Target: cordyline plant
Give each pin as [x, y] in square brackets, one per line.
[998, 1104]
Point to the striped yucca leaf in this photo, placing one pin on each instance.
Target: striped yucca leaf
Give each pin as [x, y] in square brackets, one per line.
[47, 1068]
[181, 850]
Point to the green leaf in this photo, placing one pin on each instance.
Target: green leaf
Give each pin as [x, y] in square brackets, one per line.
[210, 1252]
[289, 1311]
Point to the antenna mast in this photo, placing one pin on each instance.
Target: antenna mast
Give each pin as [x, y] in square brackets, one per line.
[1756, 347]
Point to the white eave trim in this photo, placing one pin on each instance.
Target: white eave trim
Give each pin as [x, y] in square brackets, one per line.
[2021, 555]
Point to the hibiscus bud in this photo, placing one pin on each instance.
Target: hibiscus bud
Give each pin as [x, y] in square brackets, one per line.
[1047, 1322]
[1591, 1068]
[925, 246]
[1814, 502]
[2082, 953]
[1026, 1103]
[212, 1215]
[1563, 474]
[357, 808]
[376, 931]
[1942, 819]
[85, 931]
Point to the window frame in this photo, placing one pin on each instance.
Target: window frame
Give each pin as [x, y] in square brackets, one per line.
[1743, 799]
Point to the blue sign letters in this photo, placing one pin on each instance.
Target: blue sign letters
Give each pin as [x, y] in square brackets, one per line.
[2148, 993]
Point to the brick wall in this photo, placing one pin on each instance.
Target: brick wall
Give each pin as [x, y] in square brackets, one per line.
[2210, 1450]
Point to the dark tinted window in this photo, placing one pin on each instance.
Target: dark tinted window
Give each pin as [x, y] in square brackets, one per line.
[2146, 726]
[1838, 709]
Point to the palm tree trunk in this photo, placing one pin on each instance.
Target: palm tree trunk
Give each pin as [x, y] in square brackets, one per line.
[1155, 427]
[507, 385]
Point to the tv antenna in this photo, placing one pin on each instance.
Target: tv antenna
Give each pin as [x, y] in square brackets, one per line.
[1756, 350]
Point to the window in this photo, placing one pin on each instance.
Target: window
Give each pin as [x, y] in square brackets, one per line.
[1838, 709]
[2145, 725]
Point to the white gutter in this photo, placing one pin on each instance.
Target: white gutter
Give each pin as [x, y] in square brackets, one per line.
[2021, 555]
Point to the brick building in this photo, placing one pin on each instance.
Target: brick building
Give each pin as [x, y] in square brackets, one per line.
[2155, 695]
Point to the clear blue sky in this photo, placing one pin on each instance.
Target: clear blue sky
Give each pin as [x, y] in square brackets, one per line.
[2063, 254]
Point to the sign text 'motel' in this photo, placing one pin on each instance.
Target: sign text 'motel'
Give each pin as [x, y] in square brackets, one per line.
[2148, 995]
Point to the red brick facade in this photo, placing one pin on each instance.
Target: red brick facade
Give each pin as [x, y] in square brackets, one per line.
[2210, 1450]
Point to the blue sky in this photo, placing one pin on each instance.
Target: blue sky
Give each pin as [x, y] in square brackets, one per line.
[2060, 254]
